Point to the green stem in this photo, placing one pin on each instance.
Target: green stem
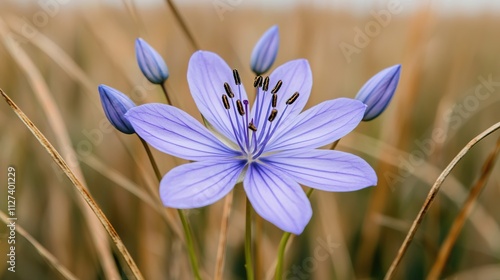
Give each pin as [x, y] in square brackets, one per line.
[164, 88]
[151, 159]
[248, 241]
[282, 247]
[190, 244]
[281, 255]
[185, 225]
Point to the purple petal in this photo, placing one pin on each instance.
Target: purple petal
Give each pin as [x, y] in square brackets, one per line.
[174, 132]
[325, 169]
[207, 73]
[318, 126]
[277, 198]
[200, 183]
[296, 76]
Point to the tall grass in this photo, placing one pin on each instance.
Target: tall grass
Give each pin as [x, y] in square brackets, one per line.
[445, 59]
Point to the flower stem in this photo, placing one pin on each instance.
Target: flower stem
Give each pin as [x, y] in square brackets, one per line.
[185, 225]
[248, 241]
[151, 159]
[164, 88]
[190, 244]
[282, 247]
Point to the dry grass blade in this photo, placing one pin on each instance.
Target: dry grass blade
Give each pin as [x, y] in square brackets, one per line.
[483, 221]
[430, 198]
[183, 24]
[41, 250]
[78, 185]
[120, 180]
[59, 56]
[55, 119]
[221, 247]
[456, 228]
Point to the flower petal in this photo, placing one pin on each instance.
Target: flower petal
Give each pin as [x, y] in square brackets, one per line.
[318, 126]
[200, 183]
[277, 198]
[207, 73]
[174, 132]
[325, 169]
[296, 76]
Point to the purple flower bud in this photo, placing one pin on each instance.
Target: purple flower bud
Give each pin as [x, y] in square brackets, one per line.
[378, 91]
[265, 51]
[151, 63]
[115, 105]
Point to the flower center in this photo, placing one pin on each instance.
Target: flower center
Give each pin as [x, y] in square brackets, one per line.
[251, 139]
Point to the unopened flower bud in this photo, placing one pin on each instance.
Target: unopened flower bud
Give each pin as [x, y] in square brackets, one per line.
[151, 63]
[265, 51]
[378, 91]
[115, 105]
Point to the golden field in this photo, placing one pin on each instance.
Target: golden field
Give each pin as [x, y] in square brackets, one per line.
[52, 60]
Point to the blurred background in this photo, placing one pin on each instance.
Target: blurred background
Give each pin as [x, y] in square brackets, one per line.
[54, 53]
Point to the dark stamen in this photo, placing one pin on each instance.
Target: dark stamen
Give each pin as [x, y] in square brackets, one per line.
[252, 127]
[236, 77]
[225, 101]
[273, 114]
[265, 86]
[275, 100]
[292, 99]
[277, 87]
[241, 110]
[228, 90]
[257, 82]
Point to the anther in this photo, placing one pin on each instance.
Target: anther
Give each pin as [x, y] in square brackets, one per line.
[292, 99]
[225, 101]
[241, 110]
[275, 100]
[257, 82]
[236, 77]
[273, 114]
[277, 87]
[265, 86]
[252, 127]
[228, 90]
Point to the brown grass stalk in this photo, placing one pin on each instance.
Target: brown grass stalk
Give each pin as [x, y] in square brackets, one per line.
[51, 259]
[221, 246]
[78, 185]
[395, 132]
[485, 224]
[55, 119]
[458, 223]
[183, 24]
[432, 195]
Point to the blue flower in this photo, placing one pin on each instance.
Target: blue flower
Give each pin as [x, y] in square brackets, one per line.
[271, 147]
[151, 63]
[115, 104]
[378, 91]
[265, 51]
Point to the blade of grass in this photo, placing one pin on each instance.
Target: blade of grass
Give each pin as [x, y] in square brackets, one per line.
[221, 247]
[78, 185]
[62, 59]
[396, 131]
[183, 24]
[431, 196]
[456, 228]
[59, 56]
[55, 119]
[40, 249]
[485, 224]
